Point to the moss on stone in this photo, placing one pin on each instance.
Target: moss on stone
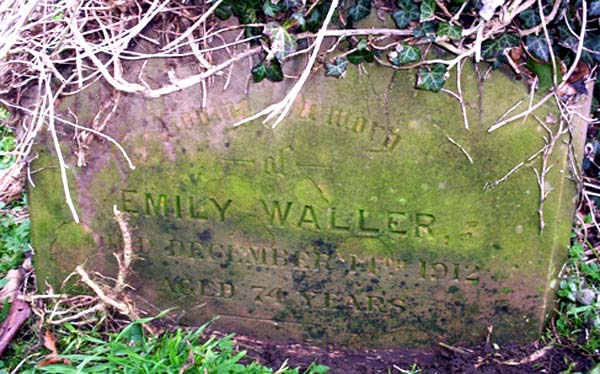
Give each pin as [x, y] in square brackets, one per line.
[356, 221]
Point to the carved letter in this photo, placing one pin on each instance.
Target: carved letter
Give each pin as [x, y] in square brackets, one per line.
[338, 118]
[439, 270]
[353, 262]
[276, 257]
[204, 285]
[260, 290]
[240, 111]
[177, 206]
[171, 247]
[226, 290]
[423, 222]
[258, 255]
[308, 210]
[334, 223]
[162, 202]
[300, 260]
[396, 223]
[179, 285]
[373, 268]
[276, 294]
[125, 199]
[375, 302]
[397, 303]
[276, 213]
[351, 301]
[361, 222]
[167, 284]
[216, 252]
[359, 124]
[473, 276]
[308, 296]
[141, 248]
[192, 210]
[196, 249]
[204, 119]
[222, 209]
[319, 261]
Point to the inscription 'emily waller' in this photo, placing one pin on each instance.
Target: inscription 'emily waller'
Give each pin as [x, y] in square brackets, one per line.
[282, 214]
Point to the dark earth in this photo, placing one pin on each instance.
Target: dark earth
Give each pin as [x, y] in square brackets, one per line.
[485, 358]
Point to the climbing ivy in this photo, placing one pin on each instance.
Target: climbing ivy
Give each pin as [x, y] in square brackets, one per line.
[518, 38]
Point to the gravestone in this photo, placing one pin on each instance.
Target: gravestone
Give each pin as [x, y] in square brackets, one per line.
[359, 221]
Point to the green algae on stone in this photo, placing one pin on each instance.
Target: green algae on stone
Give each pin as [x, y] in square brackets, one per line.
[354, 222]
[60, 243]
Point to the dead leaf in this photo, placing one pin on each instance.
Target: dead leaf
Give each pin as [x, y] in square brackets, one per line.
[516, 53]
[582, 70]
[575, 85]
[51, 361]
[529, 359]
[49, 342]
[191, 360]
[9, 290]
[52, 357]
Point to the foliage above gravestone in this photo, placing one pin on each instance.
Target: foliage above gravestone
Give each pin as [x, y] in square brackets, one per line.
[499, 32]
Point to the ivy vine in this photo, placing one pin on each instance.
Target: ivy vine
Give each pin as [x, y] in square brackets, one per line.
[539, 40]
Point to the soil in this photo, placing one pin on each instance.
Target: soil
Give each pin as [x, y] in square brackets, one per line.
[506, 359]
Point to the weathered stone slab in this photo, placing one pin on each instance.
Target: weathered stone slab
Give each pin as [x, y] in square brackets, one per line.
[355, 222]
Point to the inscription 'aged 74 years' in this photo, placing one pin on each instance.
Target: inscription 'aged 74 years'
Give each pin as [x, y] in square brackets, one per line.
[356, 221]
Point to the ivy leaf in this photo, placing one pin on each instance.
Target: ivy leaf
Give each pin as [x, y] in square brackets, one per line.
[270, 69]
[544, 73]
[566, 39]
[270, 9]
[427, 10]
[225, 10]
[432, 79]
[363, 55]
[291, 4]
[259, 72]
[404, 54]
[360, 10]
[299, 20]
[408, 13]
[362, 44]
[401, 18]
[425, 30]
[594, 9]
[453, 32]
[530, 18]
[337, 69]
[246, 10]
[592, 41]
[410, 6]
[315, 20]
[491, 49]
[538, 46]
[282, 42]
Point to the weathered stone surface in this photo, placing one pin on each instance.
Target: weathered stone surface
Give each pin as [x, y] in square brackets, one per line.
[355, 222]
